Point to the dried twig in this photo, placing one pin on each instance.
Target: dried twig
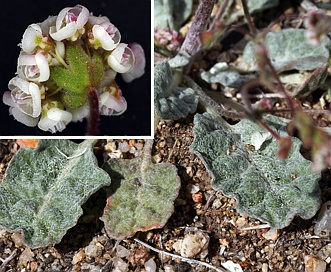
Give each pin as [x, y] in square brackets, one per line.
[180, 257]
[8, 259]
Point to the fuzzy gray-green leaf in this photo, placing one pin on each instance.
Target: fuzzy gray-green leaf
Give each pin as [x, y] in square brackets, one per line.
[171, 13]
[265, 187]
[142, 196]
[171, 100]
[289, 49]
[43, 190]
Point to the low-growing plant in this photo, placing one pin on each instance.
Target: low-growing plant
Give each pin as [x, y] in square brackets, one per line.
[243, 158]
[44, 188]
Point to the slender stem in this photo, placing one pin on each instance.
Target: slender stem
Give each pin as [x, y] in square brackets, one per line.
[219, 14]
[280, 86]
[248, 18]
[93, 122]
[192, 42]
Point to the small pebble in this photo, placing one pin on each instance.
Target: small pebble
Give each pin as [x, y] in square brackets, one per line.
[324, 252]
[124, 147]
[78, 257]
[122, 252]
[192, 188]
[323, 223]
[91, 251]
[150, 265]
[17, 238]
[119, 265]
[25, 257]
[314, 264]
[195, 245]
[271, 234]
[198, 197]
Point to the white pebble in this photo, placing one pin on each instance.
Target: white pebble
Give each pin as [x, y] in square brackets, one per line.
[91, 250]
[195, 245]
[150, 265]
[122, 252]
[119, 265]
[124, 147]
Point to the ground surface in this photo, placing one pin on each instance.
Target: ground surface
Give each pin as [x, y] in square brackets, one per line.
[198, 211]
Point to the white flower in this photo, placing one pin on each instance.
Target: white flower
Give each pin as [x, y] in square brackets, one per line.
[33, 67]
[26, 96]
[121, 59]
[32, 38]
[17, 113]
[111, 101]
[80, 113]
[138, 68]
[104, 35]
[70, 23]
[54, 120]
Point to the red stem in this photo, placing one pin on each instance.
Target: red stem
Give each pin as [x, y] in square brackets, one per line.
[93, 122]
[192, 42]
[248, 18]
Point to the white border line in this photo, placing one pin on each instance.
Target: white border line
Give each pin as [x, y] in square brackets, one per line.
[105, 137]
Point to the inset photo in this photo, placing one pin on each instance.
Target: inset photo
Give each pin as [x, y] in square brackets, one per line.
[73, 69]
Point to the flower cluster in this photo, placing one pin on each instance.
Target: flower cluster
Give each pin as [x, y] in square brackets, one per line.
[318, 24]
[166, 41]
[61, 58]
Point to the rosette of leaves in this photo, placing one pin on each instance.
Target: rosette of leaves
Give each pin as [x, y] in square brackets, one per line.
[243, 161]
[44, 188]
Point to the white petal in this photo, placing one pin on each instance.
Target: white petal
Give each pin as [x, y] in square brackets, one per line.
[59, 115]
[23, 118]
[29, 38]
[7, 99]
[80, 113]
[61, 17]
[101, 34]
[43, 67]
[116, 60]
[56, 120]
[138, 68]
[63, 33]
[36, 100]
[97, 20]
[45, 25]
[109, 101]
[82, 17]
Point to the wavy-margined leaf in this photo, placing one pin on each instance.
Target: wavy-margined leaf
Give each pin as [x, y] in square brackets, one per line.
[265, 187]
[44, 188]
[141, 198]
[289, 49]
[171, 100]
